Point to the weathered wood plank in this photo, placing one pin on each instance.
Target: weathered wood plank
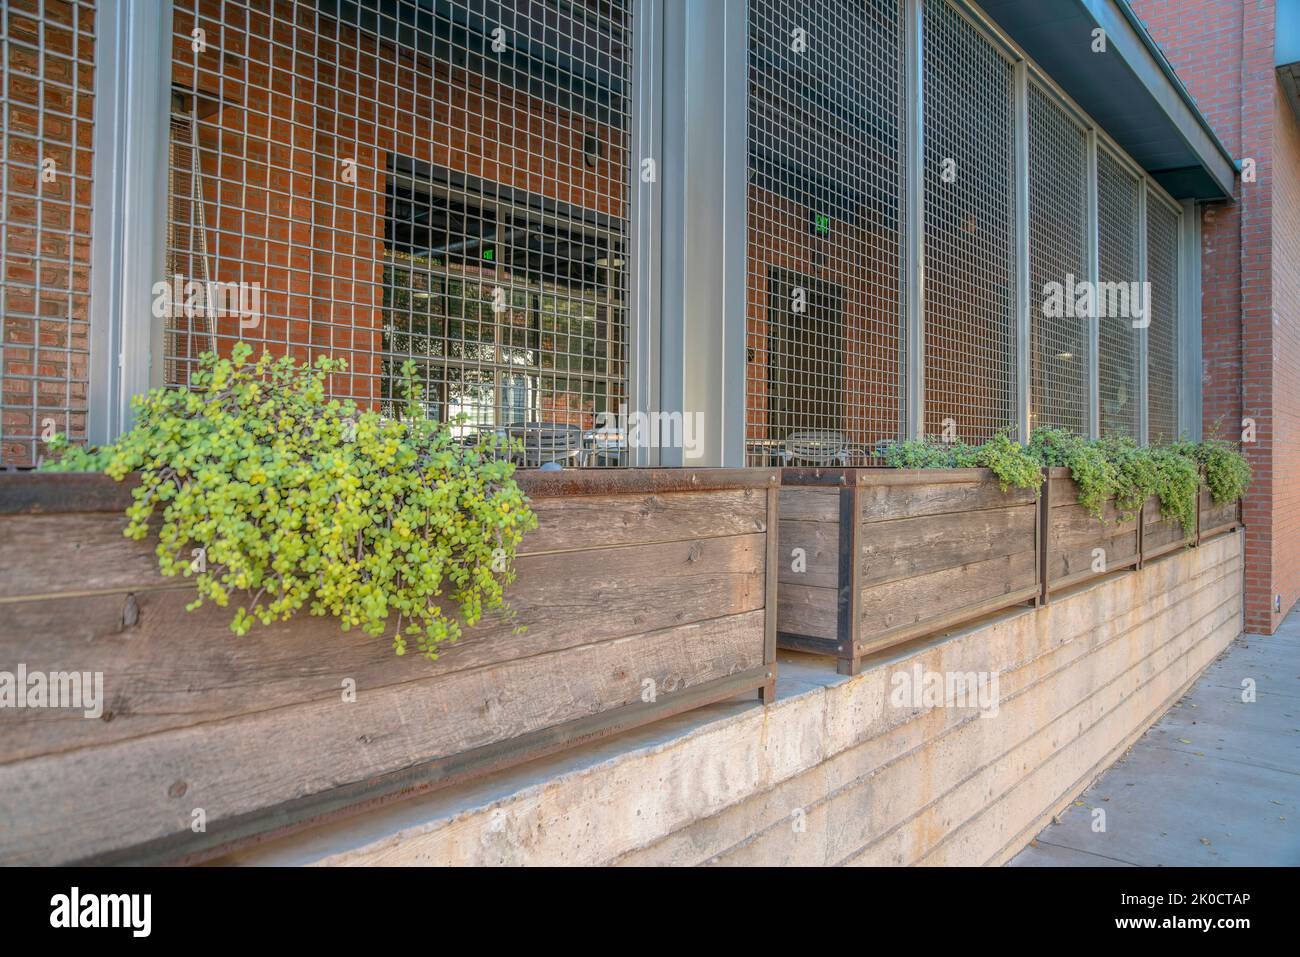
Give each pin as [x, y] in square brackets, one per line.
[810, 504]
[54, 492]
[808, 610]
[96, 800]
[572, 522]
[937, 594]
[81, 552]
[1075, 560]
[1214, 517]
[914, 546]
[175, 668]
[887, 502]
[1159, 534]
[77, 552]
[820, 542]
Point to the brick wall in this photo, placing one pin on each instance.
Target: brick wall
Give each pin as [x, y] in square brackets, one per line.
[285, 98]
[46, 112]
[1286, 349]
[1223, 51]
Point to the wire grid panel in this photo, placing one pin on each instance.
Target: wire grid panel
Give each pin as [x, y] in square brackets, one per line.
[1117, 261]
[1058, 262]
[46, 140]
[826, 106]
[387, 181]
[1162, 333]
[970, 322]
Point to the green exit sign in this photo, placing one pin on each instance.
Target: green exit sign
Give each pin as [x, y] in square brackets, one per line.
[821, 224]
[489, 254]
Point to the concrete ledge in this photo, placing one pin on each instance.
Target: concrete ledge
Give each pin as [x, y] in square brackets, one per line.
[834, 772]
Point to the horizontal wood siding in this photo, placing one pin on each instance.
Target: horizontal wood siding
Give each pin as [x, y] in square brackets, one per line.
[1160, 535]
[808, 592]
[934, 548]
[631, 602]
[1073, 535]
[1217, 518]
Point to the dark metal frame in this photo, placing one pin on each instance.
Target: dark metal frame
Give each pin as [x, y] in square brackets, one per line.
[848, 647]
[1051, 586]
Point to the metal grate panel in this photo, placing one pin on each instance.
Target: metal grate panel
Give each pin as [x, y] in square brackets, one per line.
[824, 376]
[46, 138]
[970, 325]
[1117, 258]
[1058, 260]
[397, 180]
[1162, 334]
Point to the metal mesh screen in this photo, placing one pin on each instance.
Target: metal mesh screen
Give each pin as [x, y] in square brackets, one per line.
[1162, 334]
[1058, 259]
[1117, 259]
[824, 377]
[46, 112]
[384, 180]
[970, 328]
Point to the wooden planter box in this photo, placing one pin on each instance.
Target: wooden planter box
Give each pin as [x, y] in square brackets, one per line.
[1161, 536]
[645, 593]
[1214, 519]
[1072, 536]
[894, 554]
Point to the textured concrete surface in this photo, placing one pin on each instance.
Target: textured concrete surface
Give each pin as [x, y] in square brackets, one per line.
[1216, 781]
[837, 770]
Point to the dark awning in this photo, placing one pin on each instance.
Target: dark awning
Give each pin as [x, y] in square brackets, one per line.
[1130, 90]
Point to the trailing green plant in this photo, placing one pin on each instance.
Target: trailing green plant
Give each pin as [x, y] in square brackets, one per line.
[926, 453]
[1008, 459]
[1137, 476]
[1095, 474]
[1011, 462]
[271, 491]
[1178, 484]
[1224, 468]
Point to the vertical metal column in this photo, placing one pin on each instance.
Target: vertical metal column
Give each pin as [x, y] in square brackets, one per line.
[645, 233]
[1189, 322]
[1020, 204]
[914, 225]
[1144, 398]
[1094, 276]
[702, 180]
[129, 207]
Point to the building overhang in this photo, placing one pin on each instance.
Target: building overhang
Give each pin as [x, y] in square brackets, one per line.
[1130, 89]
[1286, 51]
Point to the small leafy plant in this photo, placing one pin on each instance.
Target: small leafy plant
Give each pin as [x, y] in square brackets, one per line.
[1224, 467]
[1113, 468]
[1010, 461]
[1177, 485]
[1092, 471]
[271, 491]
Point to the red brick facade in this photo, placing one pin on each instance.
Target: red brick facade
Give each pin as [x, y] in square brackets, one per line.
[1223, 51]
[47, 85]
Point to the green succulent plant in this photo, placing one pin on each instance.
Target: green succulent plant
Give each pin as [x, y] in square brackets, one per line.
[278, 498]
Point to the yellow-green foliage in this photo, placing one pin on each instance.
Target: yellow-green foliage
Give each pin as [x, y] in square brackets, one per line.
[296, 500]
[1009, 460]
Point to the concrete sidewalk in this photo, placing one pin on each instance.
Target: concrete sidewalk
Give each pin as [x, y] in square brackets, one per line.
[1216, 781]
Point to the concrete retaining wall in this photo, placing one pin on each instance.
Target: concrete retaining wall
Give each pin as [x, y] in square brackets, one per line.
[836, 771]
